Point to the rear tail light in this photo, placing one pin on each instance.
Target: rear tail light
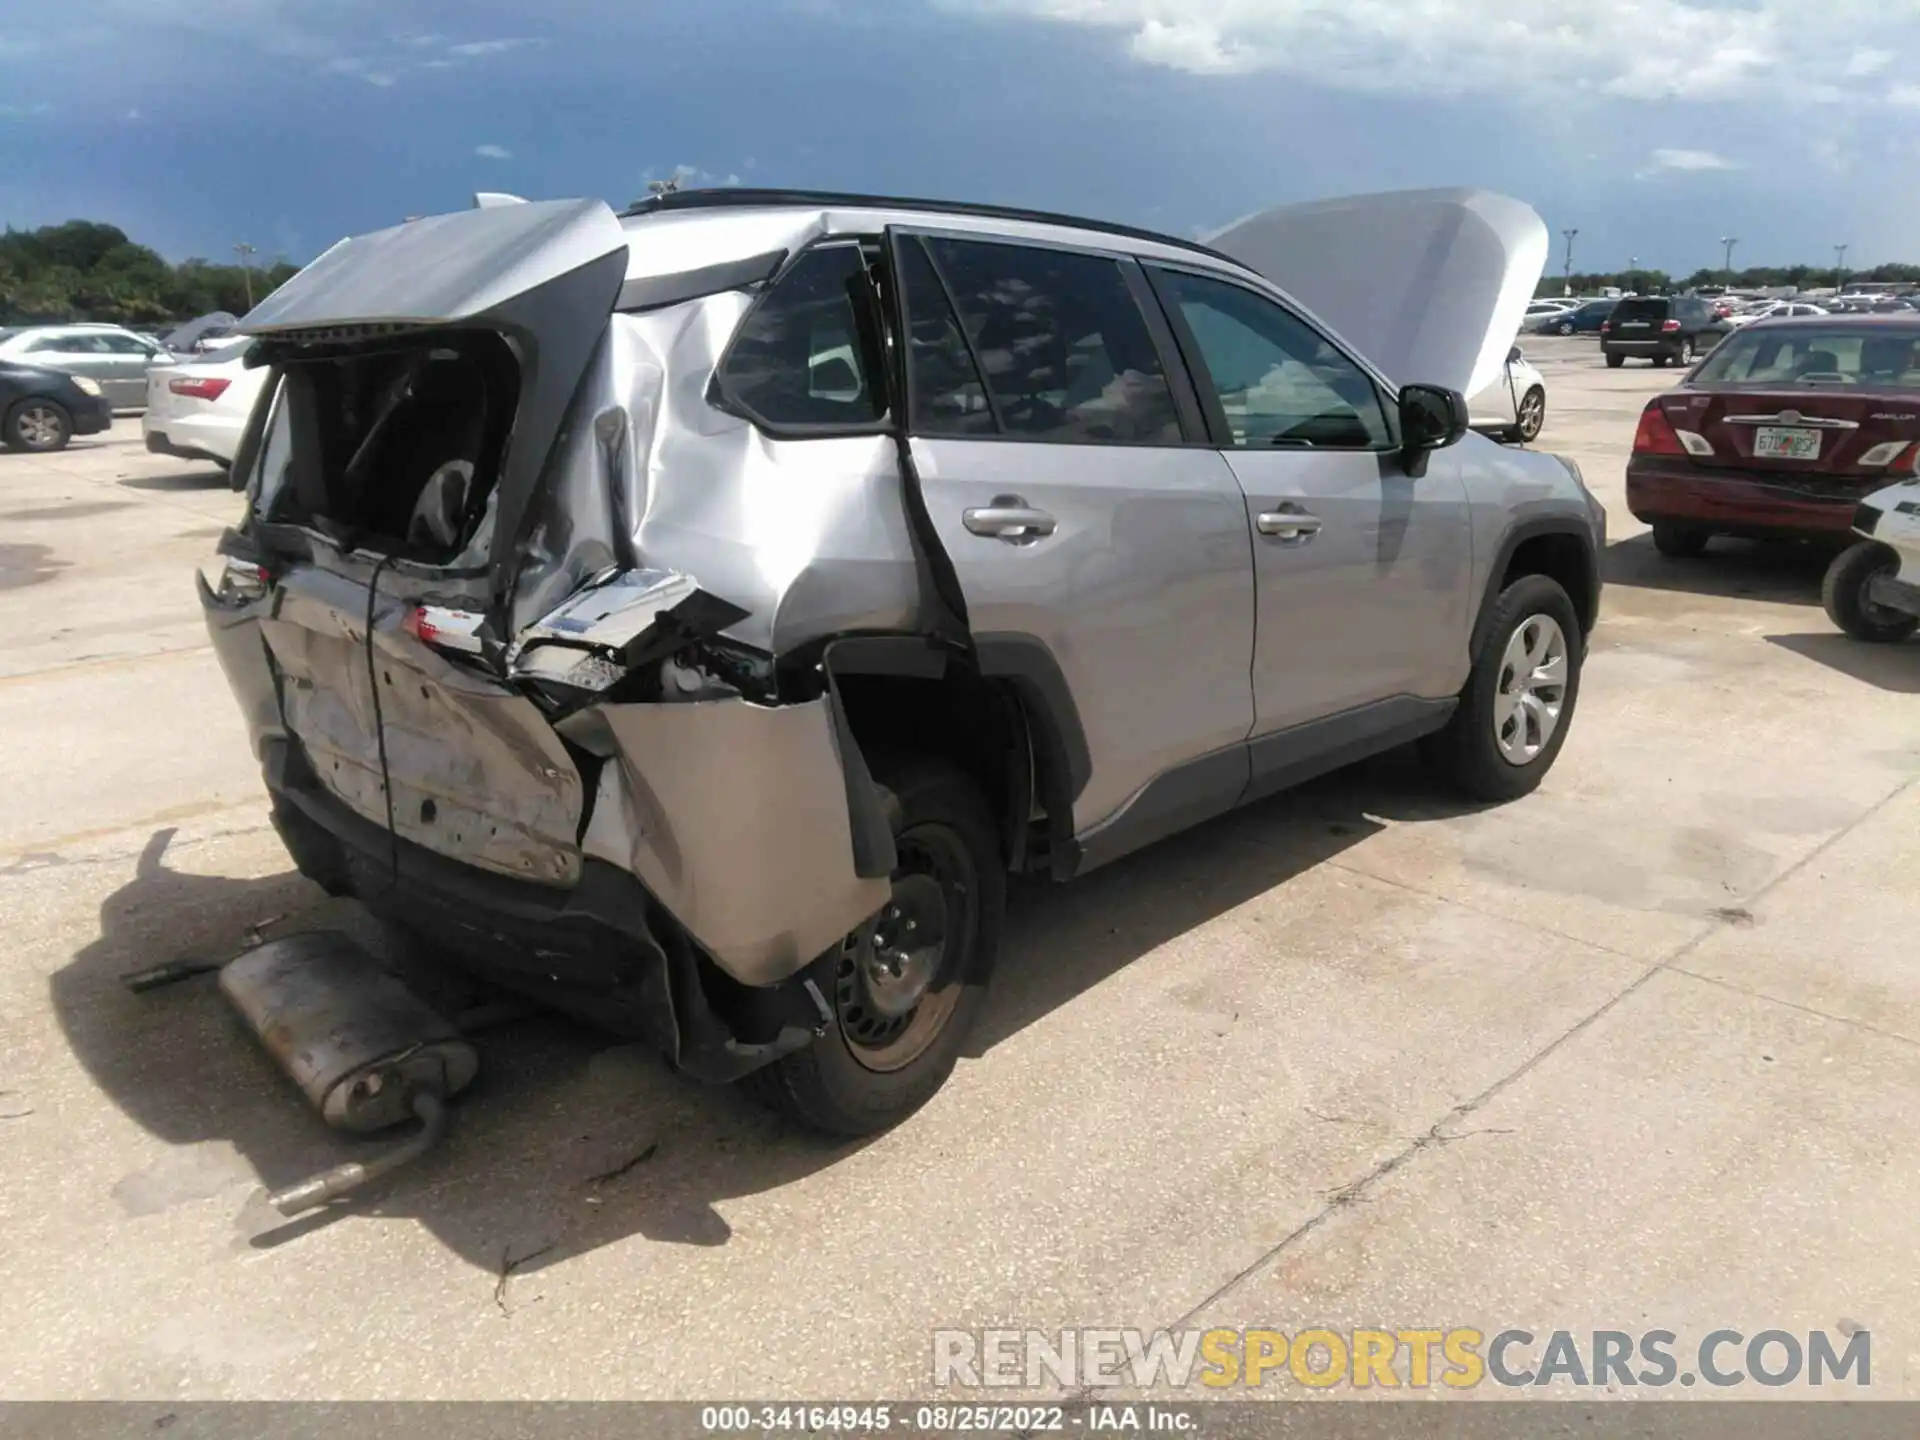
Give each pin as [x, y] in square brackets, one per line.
[233, 580]
[1669, 325]
[1656, 434]
[1894, 454]
[447, 628]
[1605, 326]
[200, 387]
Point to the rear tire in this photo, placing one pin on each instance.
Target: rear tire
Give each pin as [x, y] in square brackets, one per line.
[1844, 594]
[870, 1070]
[1532, 417]
[1565, 327]
[1679, 542]
[1685, 357]
[1486, 750]
[38, 426]
[1614, 362]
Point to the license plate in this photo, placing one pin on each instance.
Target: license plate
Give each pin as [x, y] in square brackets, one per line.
[1774, 442]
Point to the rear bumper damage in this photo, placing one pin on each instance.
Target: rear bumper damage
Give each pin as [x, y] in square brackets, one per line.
[679, 871]
[1736, 503]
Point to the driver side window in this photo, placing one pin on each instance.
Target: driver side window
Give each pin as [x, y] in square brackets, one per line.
[1278, 381]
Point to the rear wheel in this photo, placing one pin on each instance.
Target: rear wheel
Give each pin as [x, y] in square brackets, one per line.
[1614, 362]
[1565, 327]
[1844, 593]
[909, 984]
[1685, 357]
[1531, 417]
[1681, 542]
[39, 425]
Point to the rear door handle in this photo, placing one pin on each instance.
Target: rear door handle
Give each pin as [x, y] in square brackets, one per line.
[1009, 518]
[1289, 527]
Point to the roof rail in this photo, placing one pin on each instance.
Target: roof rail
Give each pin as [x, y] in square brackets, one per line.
[741, 197]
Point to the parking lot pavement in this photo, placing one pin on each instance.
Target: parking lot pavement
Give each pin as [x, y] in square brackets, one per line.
[1635, 1052]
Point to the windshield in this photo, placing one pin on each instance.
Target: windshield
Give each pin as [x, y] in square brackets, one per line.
[1816, 355]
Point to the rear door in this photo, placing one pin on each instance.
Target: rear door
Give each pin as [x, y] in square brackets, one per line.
[1088, 523]
[1804, 402]
[125, 372]
[1363, 570]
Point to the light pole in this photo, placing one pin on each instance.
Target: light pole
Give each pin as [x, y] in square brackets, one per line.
[1633, 270]
[1729, 241]
[245, 252]
[1566, 272]
[1840, 268]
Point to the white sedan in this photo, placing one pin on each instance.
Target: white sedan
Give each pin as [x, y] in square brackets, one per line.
[197, 408]
[1514, 406]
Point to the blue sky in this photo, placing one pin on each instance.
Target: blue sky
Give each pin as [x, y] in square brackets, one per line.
[1654, 126]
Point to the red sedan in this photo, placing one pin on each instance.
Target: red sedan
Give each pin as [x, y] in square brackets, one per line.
[1780, 432]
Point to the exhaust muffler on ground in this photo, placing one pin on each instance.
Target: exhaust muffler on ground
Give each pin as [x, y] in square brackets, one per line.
[364, 1049]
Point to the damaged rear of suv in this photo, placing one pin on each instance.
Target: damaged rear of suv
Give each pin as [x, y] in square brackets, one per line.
[652, 613]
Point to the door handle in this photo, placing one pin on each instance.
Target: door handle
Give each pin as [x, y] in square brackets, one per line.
[1008, 518]
[1289, 527]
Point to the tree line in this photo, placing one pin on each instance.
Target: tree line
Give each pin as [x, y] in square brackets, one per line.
[1754, 277]
[84, 270]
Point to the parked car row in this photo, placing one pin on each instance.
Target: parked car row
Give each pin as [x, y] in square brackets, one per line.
[67, 380]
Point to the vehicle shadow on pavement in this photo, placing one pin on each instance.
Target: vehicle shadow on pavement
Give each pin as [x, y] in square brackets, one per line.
[1893, 668]
[569, 1140]
[1784, 572]
[212, 477]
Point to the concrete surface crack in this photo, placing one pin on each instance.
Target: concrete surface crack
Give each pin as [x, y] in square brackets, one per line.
[1361, 1188]
[509, 1263]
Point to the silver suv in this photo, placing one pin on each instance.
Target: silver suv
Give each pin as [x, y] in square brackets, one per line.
[690, 618]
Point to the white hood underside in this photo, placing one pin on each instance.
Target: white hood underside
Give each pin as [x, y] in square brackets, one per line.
[1430, 285]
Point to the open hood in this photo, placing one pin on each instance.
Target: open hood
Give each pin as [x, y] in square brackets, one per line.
[1430, 285]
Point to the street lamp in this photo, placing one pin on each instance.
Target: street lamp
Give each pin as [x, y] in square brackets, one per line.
[245, 252]
[1567, 269]
[1729, 241]
[1840, 268]
[1633, 271]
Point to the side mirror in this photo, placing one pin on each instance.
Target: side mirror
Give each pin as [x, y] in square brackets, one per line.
[1514, 354]
[1431, 418]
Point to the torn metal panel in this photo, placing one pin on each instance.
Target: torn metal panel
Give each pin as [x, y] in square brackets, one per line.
[242, 651]
[476, 772]
[441, 269]
[735, 817]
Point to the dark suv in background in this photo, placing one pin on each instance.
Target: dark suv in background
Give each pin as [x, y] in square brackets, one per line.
[1660, 328]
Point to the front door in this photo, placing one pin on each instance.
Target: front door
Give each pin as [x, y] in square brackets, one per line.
[1086, 519]
[1363, 569]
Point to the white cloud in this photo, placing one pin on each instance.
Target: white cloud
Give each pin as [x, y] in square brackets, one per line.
[1905, 96]
[1690, 160]
[25, 112]
[471, 48]
[493, 152]
[1628, 49]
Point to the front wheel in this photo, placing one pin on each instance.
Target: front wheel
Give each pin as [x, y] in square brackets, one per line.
[1565, 327]
[38, 425]
[1518, 701]
[1844, 594]
[909, 984]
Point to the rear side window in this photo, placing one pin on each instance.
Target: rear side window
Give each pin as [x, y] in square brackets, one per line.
[1062, 346]
[798, 359]
[1640, 310]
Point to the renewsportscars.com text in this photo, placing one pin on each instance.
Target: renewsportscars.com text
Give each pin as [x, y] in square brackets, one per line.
[1421, 1358]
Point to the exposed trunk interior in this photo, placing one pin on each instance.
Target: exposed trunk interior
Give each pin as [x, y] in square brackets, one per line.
[396, 446]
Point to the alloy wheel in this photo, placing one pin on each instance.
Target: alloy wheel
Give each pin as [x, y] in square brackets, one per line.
[39, 427]
[1533, 414]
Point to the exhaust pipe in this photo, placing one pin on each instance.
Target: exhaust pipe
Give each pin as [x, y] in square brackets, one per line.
[364, 1050]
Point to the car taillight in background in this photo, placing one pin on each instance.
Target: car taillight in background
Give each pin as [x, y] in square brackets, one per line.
[200, 387]
[1656, 434]
[1669, 325]
[1605, 326]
